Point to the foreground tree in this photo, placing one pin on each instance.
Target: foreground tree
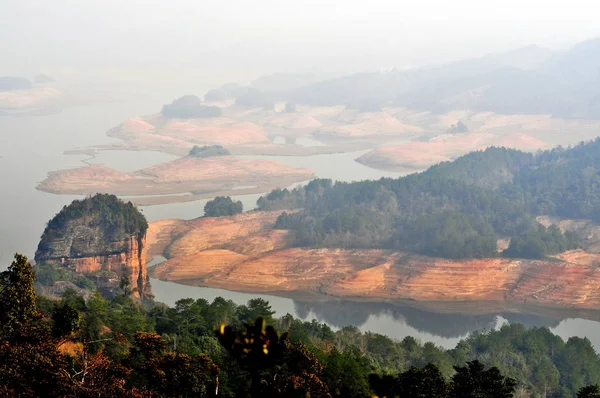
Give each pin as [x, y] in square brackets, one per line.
[474, 381]
[271, 365]
[30, 364]
[592, 391]
[17, 296]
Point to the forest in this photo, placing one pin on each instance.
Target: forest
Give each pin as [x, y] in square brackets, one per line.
[455, 209]
[90, 347]
[115, 216]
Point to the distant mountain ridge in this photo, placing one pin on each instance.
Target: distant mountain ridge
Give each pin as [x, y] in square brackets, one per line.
[528, 80]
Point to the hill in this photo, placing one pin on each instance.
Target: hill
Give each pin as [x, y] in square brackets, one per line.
[100, 239]
[529, 80]
[456, 209]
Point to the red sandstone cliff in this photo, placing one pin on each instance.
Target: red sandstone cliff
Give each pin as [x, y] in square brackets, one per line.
[244, 253]
[109, 269]
[100, 239]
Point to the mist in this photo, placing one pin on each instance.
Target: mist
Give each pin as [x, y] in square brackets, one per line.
[217, 41]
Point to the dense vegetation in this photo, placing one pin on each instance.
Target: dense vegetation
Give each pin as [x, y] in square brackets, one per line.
[116, 218]
[222, 206]
[98, 347]
[190, 106]
[456, 209]
[208, 151]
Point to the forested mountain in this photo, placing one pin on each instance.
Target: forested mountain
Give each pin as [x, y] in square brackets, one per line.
[455, 209]
[95, 347]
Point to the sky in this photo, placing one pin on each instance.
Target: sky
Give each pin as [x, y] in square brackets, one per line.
[245, 37]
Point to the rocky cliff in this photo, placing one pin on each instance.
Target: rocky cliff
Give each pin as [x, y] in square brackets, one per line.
[102, 239]
[244, 253]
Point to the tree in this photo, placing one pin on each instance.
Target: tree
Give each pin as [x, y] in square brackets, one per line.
[17, 296]
[30, 364]
[474, 381]
[592, 391]
[346, 373]
[257, 307]
[425, 382]
[222, 206]
[65, 320]
[272, 366]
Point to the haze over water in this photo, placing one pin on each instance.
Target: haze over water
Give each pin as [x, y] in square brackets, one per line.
[34, 145]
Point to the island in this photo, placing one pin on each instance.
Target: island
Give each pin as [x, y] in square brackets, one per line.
[186, 179]
[454, 234]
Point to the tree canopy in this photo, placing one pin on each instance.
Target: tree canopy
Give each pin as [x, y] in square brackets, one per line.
[100, 347]
[455, 209]
[222, 206]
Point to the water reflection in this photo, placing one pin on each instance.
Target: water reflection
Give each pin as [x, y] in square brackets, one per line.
[393, 320]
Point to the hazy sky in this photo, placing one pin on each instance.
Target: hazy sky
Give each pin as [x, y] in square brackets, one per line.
[277, 35]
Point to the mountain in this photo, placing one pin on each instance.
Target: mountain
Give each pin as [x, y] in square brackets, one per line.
[529, 80]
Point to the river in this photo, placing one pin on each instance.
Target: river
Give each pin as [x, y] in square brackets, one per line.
[31, 146]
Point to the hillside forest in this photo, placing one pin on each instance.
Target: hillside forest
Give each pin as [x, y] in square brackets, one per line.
[89, 347]
[456, 209]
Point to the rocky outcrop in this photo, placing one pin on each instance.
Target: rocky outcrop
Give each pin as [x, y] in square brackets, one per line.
[107, 265]
[215, 252]
[105, 243]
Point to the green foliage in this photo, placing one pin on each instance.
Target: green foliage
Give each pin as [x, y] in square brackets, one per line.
[256, 308]
[346, 373]
[222, 206]
[561, 182]
[448, 234]
[65, 320]
[17, 296]
[190, 106]
[455, 209]
[541, 241]
[127, 350]
[474, 381]
[113, 215]
[208, 151]
[424, 382]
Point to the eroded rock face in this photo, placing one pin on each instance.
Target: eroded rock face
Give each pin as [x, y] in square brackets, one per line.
[95, 238]
[105, 262]
[244, 253]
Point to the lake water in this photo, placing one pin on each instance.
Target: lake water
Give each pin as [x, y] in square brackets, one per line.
[30, 147]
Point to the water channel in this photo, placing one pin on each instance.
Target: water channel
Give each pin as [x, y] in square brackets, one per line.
[31, 146]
